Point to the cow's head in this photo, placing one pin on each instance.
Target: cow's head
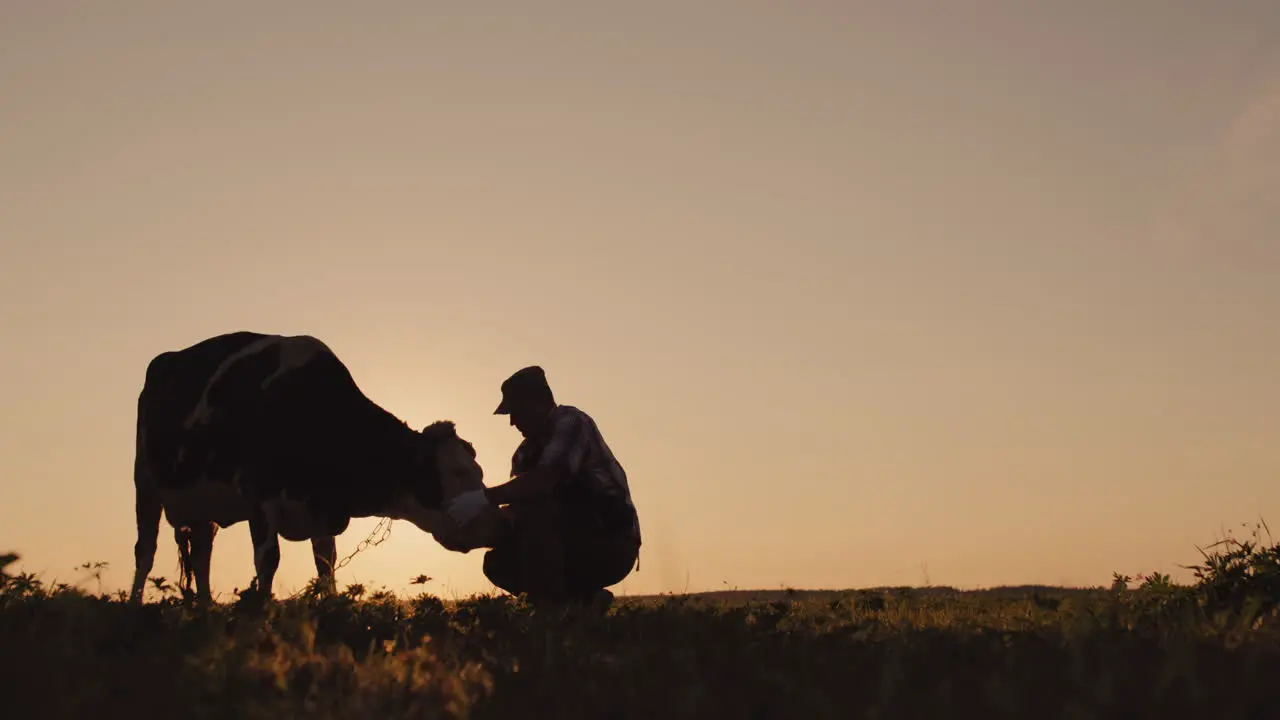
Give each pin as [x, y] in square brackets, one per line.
[445, 467]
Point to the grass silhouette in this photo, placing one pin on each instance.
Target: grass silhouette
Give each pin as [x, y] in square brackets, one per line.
[1148, 648]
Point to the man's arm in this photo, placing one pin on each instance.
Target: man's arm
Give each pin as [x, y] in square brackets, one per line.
[550, 470]
[536, 483]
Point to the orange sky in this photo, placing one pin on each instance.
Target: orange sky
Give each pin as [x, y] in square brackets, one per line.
[860, 293]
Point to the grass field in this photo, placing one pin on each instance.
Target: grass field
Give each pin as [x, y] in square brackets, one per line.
[1134, 650]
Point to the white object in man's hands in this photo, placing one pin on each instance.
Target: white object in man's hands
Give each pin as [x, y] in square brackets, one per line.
[466, 506]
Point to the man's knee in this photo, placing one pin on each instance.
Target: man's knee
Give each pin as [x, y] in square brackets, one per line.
[501, 567]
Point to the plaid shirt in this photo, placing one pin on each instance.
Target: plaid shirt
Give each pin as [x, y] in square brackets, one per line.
[575, 446]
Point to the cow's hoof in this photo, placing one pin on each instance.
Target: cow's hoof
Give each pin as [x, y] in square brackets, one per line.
[252, 599]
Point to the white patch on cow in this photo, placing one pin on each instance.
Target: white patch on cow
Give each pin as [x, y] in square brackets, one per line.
[441, 526]
[457, 469]
[204, 500]
[431, 521]
[295, 351]
[458, 472]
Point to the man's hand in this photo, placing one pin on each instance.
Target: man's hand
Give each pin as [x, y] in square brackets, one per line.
[538, 483]
[467, 506]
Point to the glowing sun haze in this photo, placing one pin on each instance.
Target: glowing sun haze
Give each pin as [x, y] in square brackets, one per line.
[860, 293]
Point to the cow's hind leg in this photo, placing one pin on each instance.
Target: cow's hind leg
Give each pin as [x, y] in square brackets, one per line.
[325, 550]
[266, 550]
[147, 507]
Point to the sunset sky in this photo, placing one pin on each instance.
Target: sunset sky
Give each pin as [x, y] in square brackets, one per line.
[860, 293]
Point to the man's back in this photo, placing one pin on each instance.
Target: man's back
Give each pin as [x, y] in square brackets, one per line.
[575, 444]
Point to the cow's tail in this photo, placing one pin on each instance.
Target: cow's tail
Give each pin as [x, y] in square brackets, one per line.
[186, 573]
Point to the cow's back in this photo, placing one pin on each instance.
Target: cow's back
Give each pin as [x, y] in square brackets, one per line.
[246, 418]
[282, 405]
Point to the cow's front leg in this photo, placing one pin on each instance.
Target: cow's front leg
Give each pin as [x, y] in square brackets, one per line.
[325, 550]
[266, 551]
